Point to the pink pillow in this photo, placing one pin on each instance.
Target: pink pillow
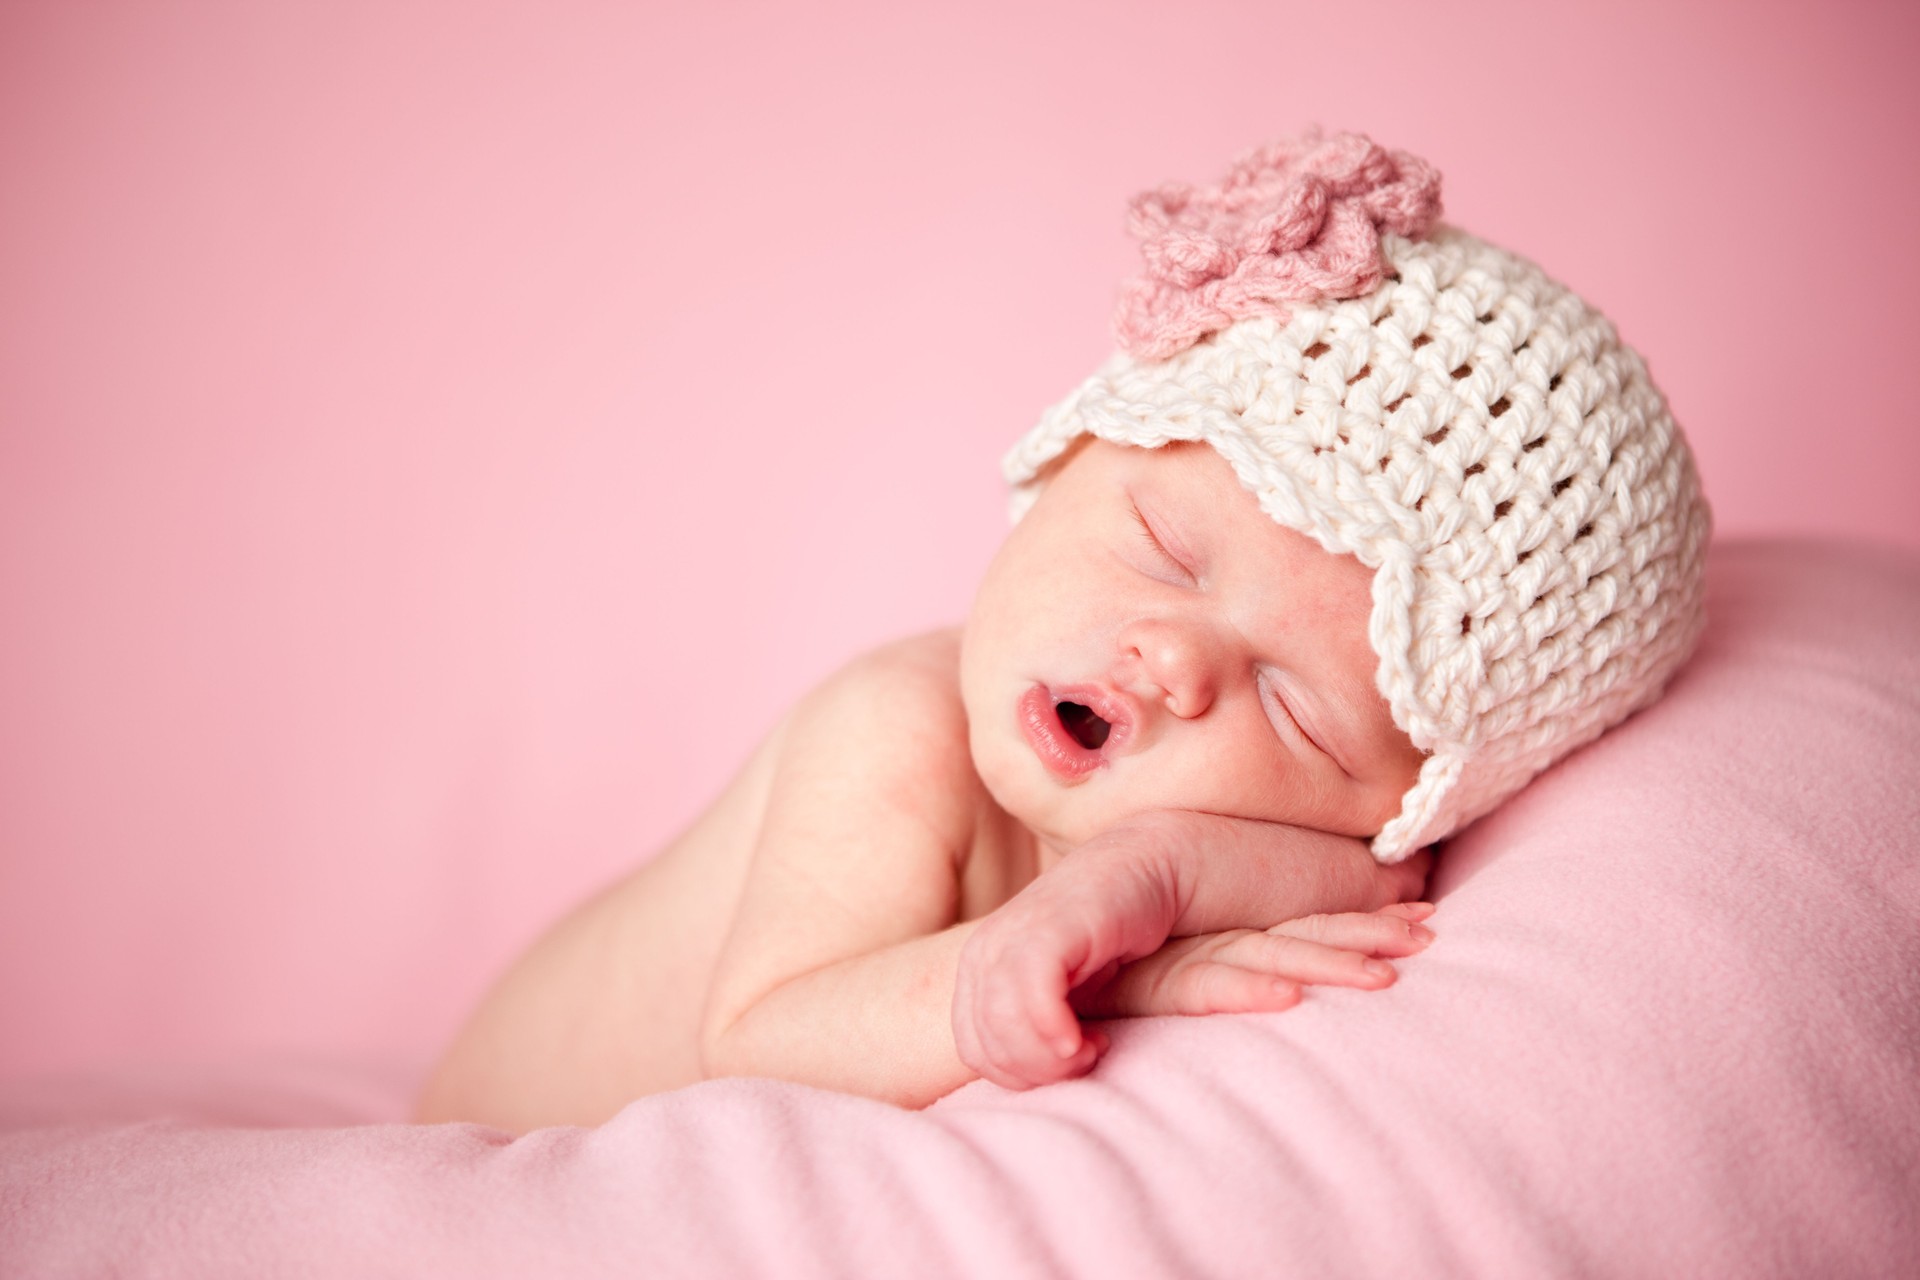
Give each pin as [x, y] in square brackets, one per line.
[1669, 1028]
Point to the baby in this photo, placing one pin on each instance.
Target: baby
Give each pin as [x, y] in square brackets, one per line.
[1370, 523]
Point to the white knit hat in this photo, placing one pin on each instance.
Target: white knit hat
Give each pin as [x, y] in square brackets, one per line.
[1472, 431]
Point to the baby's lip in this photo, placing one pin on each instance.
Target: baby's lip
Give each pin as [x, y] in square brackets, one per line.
[1058, 749]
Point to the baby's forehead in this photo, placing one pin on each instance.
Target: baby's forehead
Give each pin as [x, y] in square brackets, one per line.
[1213, 499]
[1290, 587]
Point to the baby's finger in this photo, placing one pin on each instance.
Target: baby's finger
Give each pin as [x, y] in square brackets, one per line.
[1301, 960]
[1026, 1061]
[1212, 986]
[1405, 880]
[985, 1017]
[1190, 988]
[1052, 1045]
[1030, 1035]
[1376, 933]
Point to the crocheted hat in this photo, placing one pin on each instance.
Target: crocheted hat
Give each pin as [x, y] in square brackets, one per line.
[1472, 431]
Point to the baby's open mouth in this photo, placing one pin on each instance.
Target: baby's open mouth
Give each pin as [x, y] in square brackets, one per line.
[1086, 728]
[1075, 730]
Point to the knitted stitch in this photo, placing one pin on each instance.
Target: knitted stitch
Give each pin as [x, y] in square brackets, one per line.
[1472, 431]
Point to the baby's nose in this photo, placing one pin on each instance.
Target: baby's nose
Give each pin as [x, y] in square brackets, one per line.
[1177, 664]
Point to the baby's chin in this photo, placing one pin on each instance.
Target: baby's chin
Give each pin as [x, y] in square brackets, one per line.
[1062, 817]
[1054, 816]
[1065, 820]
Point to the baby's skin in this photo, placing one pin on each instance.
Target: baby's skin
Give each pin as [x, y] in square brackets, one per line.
[1139, 781]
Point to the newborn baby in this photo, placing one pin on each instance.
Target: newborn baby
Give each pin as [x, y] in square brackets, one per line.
[1369, 523]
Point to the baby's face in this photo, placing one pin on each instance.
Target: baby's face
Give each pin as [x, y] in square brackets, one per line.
[1148, 638]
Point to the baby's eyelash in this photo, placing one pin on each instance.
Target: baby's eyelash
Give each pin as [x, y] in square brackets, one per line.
[1274, 699]
[1271, 697]
[1159, 550]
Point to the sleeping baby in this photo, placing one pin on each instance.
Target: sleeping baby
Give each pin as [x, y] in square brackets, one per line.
[1367, 524]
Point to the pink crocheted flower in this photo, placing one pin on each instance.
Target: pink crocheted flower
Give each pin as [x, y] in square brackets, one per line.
[1296, 221]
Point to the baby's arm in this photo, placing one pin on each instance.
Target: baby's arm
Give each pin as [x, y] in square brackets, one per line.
[838, 969]
[1118, 898]
[807, 920]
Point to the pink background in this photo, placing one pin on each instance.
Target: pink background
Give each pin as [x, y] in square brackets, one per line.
[436, 440]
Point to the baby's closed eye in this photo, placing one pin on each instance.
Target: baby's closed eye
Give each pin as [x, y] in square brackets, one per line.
[1169, 567]
[1286, 708]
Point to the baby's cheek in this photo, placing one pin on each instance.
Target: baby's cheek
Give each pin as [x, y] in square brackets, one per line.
[1269, 785]
[1243, 774]
[1003, 773]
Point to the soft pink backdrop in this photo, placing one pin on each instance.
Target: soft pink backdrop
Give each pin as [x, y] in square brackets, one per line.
[437, 439]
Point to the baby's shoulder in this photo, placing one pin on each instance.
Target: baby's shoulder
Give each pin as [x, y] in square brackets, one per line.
[928, 664]
[883, 741]
[883, 744]
[902, 698]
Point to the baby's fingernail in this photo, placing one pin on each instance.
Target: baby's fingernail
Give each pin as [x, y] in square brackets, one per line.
[1420, 933]
[1378, 968]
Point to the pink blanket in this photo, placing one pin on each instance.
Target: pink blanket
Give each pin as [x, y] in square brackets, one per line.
[1669, 1028]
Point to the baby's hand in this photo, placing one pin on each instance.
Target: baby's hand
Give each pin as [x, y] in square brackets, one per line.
[1116, 899]
[1099, 909]
[1250, 970]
